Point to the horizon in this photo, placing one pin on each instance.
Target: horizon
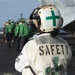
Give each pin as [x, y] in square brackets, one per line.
[11, 9]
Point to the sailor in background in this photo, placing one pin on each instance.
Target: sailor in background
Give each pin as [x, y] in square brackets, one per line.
[47, 53]
[13, 26]
[8, 32]
[21, 33]
[4, 32]
[16, 35]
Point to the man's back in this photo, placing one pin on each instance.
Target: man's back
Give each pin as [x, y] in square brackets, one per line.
[24, 30]
[8, 29]
[48, 55]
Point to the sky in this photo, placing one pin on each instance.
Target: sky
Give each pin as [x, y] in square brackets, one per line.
[11, 9]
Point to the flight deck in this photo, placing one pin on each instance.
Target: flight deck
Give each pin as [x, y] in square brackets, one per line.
[8, 56]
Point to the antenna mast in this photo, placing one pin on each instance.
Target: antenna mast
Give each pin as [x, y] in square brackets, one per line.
[21, 15]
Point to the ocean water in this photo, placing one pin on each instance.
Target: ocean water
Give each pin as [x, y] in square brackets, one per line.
[1, 29]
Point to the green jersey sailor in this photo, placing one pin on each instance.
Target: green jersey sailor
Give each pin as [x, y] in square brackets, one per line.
[8, 32]
[47, 53]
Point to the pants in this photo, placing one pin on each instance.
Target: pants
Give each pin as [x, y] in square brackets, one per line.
[23, 41]
[9, 38]
[18, 43]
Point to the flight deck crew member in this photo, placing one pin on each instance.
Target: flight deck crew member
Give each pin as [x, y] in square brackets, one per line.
[22, 33]
[16, 33]
[13, 26]
[48, 53]
[8, 31]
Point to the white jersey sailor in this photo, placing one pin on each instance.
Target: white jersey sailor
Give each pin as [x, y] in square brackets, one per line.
[47, 54]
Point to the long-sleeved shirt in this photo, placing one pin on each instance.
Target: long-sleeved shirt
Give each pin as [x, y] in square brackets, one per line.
[46, 55]
[24, 30]
[8, 29]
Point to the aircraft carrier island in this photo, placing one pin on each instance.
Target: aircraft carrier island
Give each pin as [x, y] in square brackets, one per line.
[8, 56]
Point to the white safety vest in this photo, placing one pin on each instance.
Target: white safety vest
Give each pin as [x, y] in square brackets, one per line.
[44, 55]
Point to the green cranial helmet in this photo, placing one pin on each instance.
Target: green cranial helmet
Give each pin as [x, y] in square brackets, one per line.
[11, 21]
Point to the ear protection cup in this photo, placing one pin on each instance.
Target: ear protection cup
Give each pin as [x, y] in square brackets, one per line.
[34, 15]
[37, 18]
